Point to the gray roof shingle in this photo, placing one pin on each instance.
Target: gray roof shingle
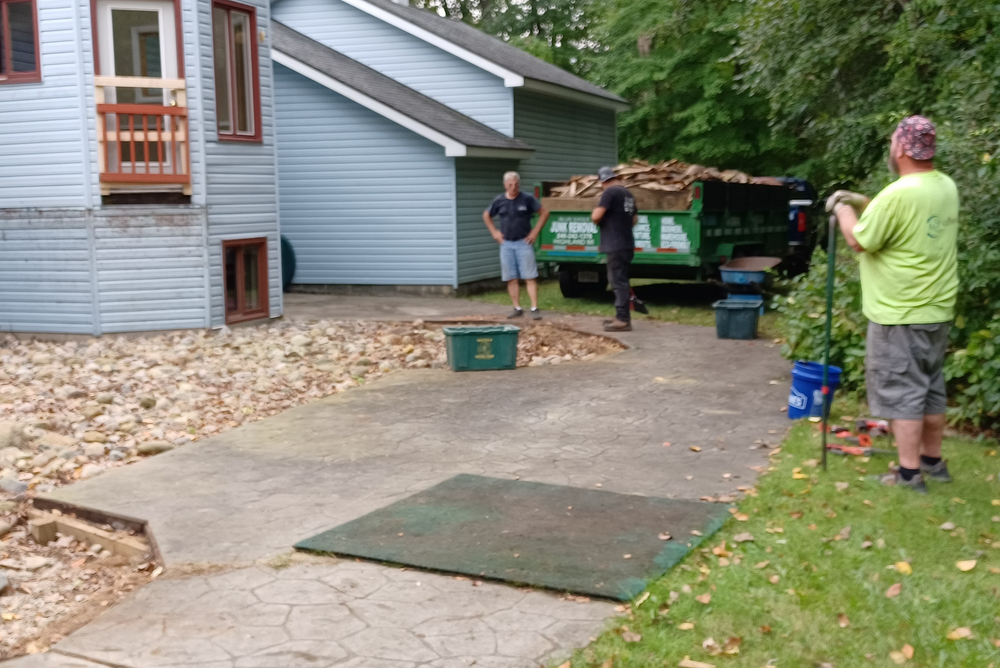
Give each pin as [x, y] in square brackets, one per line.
[389, 92]
[492, 49]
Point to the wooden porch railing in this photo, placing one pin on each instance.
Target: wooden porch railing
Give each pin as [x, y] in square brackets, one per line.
[142, 144]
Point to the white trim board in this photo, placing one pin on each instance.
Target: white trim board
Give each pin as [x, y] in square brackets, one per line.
[554, 90]
[452, 147]
[510, 79]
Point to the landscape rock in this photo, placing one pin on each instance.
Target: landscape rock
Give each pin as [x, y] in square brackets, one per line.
[147, 401]
[4, 585]
[89, 471]
[94, 437]
[11, 435]
[13, 487]
[105, 398]
[154, 448]
[34, 563]
[43, 458]
[95, 450]
[90, 412]
[5, 528]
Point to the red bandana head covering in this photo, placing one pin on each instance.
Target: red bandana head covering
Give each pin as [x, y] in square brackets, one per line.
[918, 137]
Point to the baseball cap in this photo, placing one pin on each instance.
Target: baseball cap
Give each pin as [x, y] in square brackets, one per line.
[605, 174]
[918, 137]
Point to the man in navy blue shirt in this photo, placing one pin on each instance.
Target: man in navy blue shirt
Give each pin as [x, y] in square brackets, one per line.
[516, 237]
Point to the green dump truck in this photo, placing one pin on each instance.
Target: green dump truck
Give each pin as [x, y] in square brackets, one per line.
[680, 235]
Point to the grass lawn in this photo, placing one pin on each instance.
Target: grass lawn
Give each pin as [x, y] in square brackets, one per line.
[814, 586]
[686, 303]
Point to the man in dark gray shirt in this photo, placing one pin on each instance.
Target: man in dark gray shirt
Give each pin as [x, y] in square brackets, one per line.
[616, 215]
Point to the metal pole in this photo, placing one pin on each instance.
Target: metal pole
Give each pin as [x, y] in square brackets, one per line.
[831, 257]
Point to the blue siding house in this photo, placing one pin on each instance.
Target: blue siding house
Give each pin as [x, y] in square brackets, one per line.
[394, 128]
[138, 186]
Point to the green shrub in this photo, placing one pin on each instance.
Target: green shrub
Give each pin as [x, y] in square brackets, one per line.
[973, 373]
[803, 318]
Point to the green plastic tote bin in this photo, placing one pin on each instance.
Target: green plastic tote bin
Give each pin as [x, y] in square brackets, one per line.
[481, 348]
[737, 318]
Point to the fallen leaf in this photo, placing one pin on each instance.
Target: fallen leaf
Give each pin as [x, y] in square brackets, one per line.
[568, 664]
[695, 448]
[641, 599]
[741, 517]
[156, 572]
[832, 514]
[812, 527]
[765, 629]
[9, 616]
[947, 526]
[774, 579]
[965, 566]
[961, 633]
[608, 664]
[761, 564]
[686, 662]
[732, 646]
[664, 536]
[774, 530]
[744, 537]
[686, 626]
[995, 642]
[666, 444]
[845, 533]
[712, 647]
[631, 636]
[995, 502]
[704, 599]
[673, 597]
[796, 515]
[799, 476]
[695, 532]
[811, 463]
[894, 590]
[897, 657]
[865, 545]
[907, 651]
[841, 486]
[626, 556]
[868, 503]
[962, 501]
[843, 621]
[904, 568]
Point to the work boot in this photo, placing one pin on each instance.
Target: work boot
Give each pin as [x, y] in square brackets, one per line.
[618, 326]
[937, 473]
[516, 313]
[894, 479]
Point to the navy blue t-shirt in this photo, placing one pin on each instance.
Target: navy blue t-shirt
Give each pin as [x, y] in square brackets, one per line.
[514, 215]
[616, 225]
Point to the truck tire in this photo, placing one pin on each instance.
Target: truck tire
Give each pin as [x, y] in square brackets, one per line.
[569, 286]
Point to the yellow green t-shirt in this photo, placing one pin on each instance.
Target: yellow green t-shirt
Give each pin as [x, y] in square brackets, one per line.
[909, 270]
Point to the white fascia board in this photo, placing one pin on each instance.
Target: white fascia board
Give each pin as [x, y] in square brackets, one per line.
[575, 95]
[510, 79]
[452, 148]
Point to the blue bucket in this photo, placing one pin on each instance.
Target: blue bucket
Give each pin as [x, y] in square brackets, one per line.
[806, 396]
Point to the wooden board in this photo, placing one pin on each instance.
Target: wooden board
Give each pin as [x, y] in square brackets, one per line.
[645, 200]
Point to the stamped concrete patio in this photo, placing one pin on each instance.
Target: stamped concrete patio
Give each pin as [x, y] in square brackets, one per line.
[226, 506]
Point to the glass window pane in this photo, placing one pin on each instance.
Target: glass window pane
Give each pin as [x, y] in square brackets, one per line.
[251, 287]
[243, 72]
[220, 42]
[232, 299]
[22, 36]
[135, 43]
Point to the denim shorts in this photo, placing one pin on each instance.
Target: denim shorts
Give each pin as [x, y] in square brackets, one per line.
[517, 260]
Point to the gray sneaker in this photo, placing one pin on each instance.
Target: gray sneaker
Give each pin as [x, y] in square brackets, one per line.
[937, 473]
[893, 479]
[536, 314]
[516, 313]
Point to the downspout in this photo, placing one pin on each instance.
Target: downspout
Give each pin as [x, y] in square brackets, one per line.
[454, 220]
[203, 176]
[88, 195]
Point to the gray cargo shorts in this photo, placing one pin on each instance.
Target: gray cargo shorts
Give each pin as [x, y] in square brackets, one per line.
[903, 370]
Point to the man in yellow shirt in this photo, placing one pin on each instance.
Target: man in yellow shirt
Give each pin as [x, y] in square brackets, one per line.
[909, 280]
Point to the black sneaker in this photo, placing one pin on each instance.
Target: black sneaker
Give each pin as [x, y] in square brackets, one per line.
[536, 314]
[937, 473]
[516, 313]
[894, 479]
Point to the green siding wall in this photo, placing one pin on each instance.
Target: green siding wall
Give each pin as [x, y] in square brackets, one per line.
[568, 137]
[477, 182]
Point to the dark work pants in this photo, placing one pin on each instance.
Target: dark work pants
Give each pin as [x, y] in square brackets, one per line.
[618, 267]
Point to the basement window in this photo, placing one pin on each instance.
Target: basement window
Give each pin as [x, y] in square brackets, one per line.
[245, 279]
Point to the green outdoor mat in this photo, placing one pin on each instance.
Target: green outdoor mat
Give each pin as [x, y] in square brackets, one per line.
[564, 538]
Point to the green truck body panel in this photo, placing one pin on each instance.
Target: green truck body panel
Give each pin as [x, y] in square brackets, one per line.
[697, 239]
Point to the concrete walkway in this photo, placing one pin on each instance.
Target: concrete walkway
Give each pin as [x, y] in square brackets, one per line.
[403, 307]
[235, 501]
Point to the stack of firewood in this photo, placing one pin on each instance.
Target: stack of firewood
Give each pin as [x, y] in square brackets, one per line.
[669, 176]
